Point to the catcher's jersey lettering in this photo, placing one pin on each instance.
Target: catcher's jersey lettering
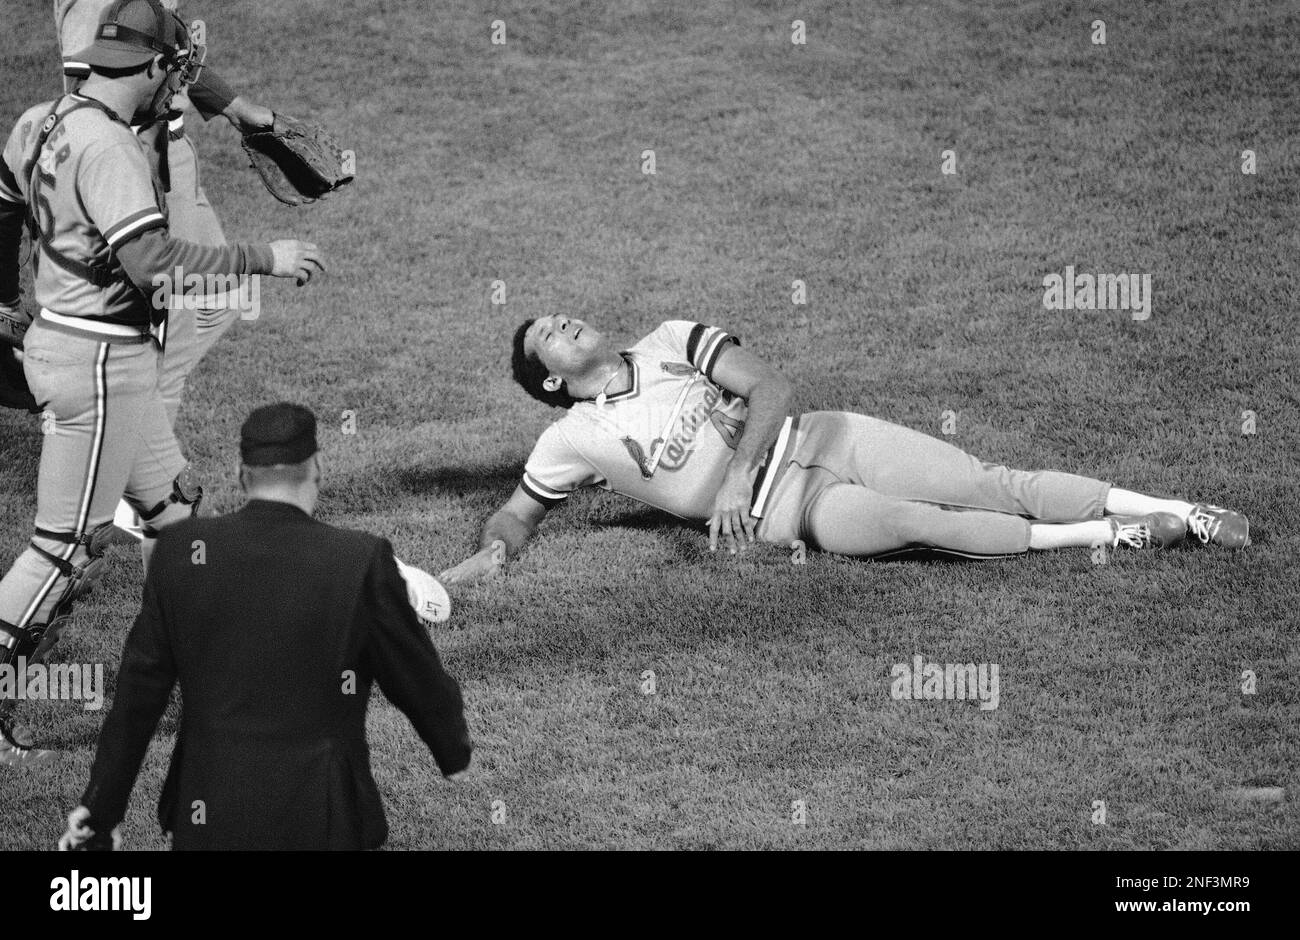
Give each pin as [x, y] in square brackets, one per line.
[613, 446]
[91, 190]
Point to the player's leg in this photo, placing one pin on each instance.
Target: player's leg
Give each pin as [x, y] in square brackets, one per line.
[811, 501]
[853, 520]
[159, 486]
[907, 463]
[1123, 502]
[192, 332]
[81, 385]
[820, 496]
[196, 322]
[902, 462]
[899, 461]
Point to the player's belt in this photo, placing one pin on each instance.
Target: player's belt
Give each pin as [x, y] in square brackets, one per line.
[773, 467]
[96, 329]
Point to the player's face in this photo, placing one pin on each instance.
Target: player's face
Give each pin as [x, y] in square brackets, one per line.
[565, 346]
[155, 90]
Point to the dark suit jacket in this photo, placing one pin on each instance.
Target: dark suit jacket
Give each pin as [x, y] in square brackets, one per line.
[275, 625]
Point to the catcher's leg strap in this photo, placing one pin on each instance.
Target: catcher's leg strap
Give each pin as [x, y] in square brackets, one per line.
[182, 503]
[36, 639]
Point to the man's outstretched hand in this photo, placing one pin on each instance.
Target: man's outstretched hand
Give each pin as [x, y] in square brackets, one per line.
[484, 562]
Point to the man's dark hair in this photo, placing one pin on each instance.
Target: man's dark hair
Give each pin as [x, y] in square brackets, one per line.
[530, 373]
[122, 72]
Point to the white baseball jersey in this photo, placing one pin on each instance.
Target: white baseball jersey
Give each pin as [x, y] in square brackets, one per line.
[613, 445]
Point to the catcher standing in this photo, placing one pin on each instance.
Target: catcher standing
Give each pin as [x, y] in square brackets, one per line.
[189, 212]
[82, 178]
[204, 318]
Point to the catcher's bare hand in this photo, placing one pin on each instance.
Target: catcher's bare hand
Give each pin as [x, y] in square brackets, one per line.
[481, 564]
[731, 519]
[295, 259]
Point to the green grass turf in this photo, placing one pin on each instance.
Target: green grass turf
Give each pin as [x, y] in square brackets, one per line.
[1118, 683]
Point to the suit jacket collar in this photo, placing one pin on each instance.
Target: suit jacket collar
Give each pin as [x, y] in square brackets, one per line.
[272, 508]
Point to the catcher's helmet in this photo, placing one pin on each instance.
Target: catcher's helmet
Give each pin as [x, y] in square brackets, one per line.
[131, 32]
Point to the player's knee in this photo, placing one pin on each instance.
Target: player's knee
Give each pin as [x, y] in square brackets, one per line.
[181, 503]
[853, 520]
[908, 522]
[77, 561]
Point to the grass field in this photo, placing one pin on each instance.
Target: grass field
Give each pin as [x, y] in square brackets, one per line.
[1119, 682]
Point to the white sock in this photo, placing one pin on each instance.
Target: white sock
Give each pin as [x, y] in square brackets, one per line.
[1128, 503]
[1044, 536]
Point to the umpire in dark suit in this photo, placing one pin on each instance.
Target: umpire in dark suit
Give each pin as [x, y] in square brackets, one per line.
[275, 625]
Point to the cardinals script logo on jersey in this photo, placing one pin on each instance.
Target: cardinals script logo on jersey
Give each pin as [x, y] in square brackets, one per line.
[679, 447]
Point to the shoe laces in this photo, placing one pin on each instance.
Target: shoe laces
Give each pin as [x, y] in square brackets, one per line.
[1203, 523]
[1132, 534]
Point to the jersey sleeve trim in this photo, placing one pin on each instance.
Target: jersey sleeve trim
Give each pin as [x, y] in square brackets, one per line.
[548, 497]
[705, 345]
[133, 225]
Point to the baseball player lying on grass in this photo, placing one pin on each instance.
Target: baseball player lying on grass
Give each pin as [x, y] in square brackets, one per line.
[689, 422]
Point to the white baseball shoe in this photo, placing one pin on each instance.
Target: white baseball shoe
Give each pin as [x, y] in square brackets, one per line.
[427, 596]
[1214, 525]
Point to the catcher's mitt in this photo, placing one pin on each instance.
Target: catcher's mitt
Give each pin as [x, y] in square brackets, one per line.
[298, 162]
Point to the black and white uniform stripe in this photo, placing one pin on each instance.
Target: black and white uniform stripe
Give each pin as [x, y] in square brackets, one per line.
[87, 495]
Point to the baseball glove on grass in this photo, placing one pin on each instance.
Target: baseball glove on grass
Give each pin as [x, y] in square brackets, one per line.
[298, 162]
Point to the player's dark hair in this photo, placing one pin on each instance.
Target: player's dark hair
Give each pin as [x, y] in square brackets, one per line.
[121, 72]
[530, 372]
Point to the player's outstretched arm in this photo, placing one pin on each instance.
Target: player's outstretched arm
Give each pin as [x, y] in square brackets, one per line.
[769, 396]
[211, 95]
[503, 536]
[150, 258]
[248, 116]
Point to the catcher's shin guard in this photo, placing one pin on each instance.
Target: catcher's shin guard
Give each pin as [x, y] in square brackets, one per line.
[80, 573]
[183, 502]
[21, 646]
[11, 750]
